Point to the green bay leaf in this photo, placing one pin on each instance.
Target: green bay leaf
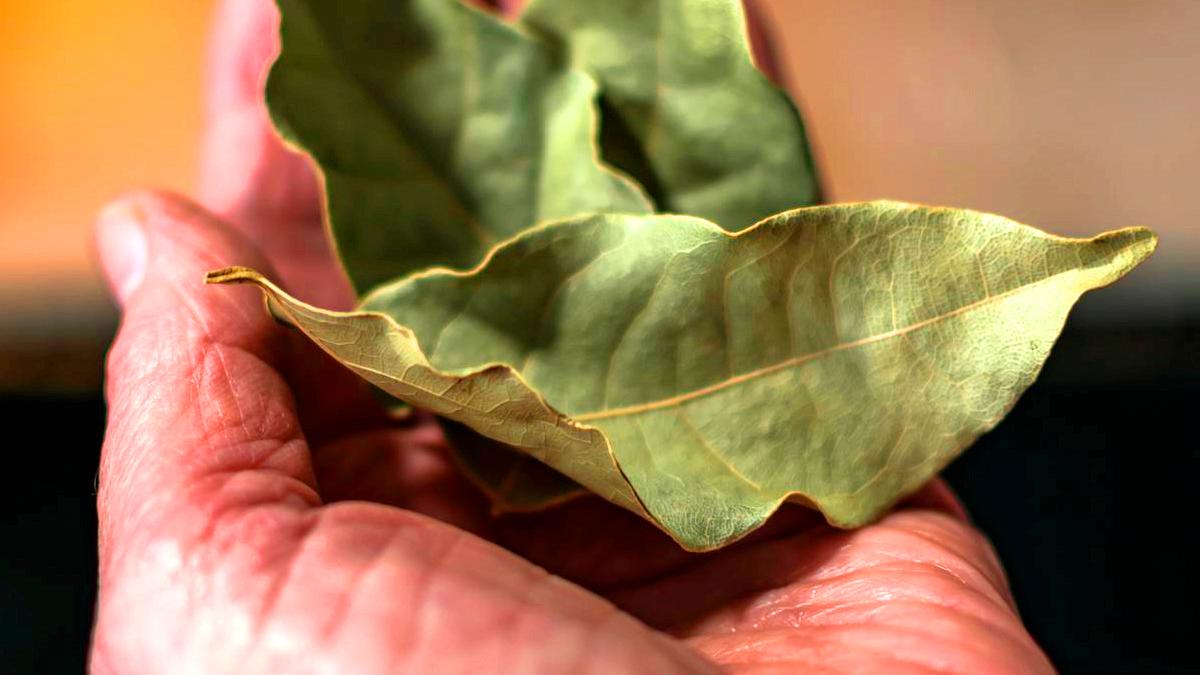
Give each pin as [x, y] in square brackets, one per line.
[686, 111]
[439, 129]
[837, 356]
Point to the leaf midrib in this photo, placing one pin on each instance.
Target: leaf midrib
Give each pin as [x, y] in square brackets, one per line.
[672, 401]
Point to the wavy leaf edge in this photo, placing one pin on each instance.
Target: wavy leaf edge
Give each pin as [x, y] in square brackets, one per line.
[277, 301]
[284, 131]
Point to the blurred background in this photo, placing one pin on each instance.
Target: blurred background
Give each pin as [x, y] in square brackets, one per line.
[1076, 116]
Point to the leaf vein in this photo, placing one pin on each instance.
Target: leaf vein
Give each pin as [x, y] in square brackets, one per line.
[640, 408]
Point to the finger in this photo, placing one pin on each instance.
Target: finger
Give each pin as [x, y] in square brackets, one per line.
[910, 556]
[247, 170]
[247, 174]
[762, 48]
[200, 420]
[508, 8]
[919, 589]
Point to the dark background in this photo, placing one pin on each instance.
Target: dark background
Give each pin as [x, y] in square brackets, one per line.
[1087, 490]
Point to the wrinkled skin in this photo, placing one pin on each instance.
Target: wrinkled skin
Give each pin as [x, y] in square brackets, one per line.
[259, 514]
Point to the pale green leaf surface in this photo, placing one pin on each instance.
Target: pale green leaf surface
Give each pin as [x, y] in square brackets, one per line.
[687, 113]
[838, 356]
[439, 130]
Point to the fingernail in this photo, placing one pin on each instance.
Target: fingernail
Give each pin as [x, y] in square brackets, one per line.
[121, 243]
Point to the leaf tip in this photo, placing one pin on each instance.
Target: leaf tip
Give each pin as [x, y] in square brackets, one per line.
[232, 275]
[1135, 243]
[1139, 241]
[1118, 252]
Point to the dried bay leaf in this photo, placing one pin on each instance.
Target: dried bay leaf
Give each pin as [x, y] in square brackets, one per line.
[838, 356]
[686, 111]
[439, 129]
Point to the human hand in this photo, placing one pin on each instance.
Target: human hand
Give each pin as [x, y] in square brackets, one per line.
[259, 513]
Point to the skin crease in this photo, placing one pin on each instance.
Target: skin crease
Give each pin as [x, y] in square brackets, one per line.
[259, 514]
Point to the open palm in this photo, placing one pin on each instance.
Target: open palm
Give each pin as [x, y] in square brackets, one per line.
[260, 513]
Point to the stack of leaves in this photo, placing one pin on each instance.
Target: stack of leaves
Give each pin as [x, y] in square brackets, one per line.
[586, 241]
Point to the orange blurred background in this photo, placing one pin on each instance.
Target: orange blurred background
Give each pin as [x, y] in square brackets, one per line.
[1072, 115]
[98, 97]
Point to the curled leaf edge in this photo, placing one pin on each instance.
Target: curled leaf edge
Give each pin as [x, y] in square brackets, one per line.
[273, 295]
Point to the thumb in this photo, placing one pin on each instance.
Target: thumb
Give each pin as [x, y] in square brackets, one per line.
[194, 384]
[155, 234]
[121, 248]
